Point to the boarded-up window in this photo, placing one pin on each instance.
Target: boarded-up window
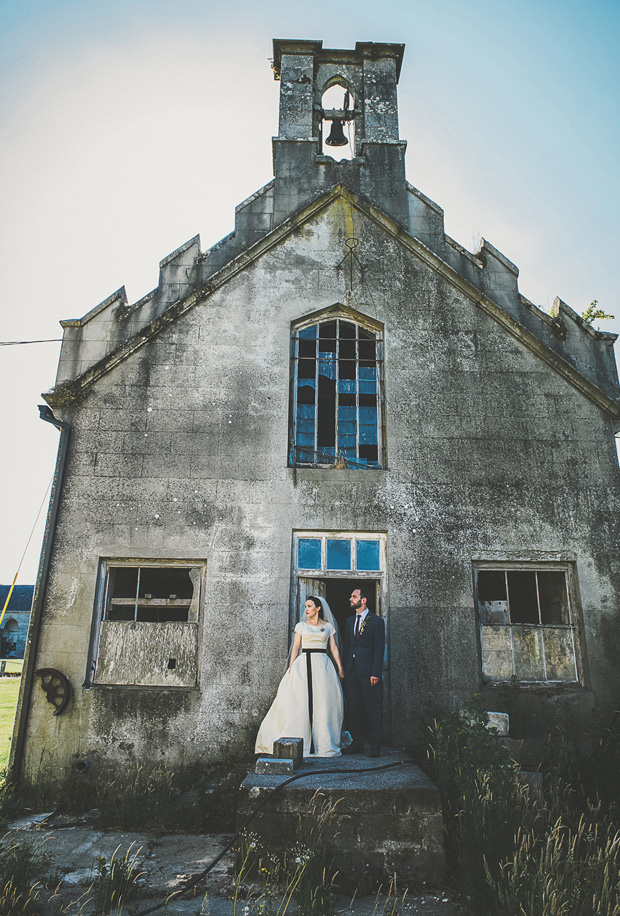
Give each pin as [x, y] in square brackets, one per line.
[336, 409]
[527, 625]
[147, 625]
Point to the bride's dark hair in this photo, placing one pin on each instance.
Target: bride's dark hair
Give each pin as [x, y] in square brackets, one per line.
[315, 600]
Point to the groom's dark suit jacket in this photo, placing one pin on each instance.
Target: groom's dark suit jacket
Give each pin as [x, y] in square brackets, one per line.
[366, 652]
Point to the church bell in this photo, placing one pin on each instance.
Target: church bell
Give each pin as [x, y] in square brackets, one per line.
[336, 134]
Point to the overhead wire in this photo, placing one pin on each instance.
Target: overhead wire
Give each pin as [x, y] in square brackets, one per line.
[8, 597]
[19, 343]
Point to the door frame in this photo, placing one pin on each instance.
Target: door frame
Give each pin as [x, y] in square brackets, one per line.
[301, 579]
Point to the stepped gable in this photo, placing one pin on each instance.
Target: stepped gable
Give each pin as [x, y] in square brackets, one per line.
[304, 177]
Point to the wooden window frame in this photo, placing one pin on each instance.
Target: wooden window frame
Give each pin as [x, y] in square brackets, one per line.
[542, 632]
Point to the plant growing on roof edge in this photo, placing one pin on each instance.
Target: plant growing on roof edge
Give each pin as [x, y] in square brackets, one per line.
[594, 313]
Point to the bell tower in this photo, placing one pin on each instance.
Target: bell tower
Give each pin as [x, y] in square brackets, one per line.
[302, 165]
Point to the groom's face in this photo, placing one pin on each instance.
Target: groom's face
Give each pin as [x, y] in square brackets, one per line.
[356, 601]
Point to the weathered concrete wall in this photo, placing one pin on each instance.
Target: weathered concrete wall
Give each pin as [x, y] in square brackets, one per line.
[180, 452]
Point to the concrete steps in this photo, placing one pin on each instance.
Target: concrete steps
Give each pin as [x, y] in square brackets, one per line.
[385, 822]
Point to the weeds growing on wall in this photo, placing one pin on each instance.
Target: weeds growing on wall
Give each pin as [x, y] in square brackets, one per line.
[513, 851]
[159, 800]
[144, 799]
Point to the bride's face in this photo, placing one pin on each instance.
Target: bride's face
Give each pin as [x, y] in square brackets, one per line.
[312, 612]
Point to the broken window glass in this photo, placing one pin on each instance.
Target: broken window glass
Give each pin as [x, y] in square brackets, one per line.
[336, 413]
[122, 593]
[522, 597]
[492, 600]
[553, 597]
[526, 630]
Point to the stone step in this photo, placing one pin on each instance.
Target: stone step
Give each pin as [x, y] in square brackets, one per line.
[526, 752]
[385, 821]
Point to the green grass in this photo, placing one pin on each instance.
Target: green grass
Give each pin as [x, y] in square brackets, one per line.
[9, 690]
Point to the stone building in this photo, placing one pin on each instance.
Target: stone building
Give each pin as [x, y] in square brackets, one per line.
[14, 626]
[335, 393]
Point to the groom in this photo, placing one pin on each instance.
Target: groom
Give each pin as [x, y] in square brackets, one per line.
[363, 662]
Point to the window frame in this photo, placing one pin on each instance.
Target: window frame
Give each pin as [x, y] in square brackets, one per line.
[338, 313]
[573, 626]
[324, 572]
[193, 625]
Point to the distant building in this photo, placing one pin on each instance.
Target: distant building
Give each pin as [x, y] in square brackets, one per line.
[336, 393]
[14, 627]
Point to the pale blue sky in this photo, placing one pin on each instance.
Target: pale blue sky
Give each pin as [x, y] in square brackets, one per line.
[128, 127]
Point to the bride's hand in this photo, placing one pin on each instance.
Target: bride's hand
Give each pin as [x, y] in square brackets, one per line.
[341, 674]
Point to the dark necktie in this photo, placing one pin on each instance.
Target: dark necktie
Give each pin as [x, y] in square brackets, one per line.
[357, 625]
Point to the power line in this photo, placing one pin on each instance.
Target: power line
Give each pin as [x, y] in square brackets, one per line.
[18, 343]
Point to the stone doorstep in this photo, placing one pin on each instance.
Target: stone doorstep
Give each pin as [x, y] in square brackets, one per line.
[526, 752]
[385, 822]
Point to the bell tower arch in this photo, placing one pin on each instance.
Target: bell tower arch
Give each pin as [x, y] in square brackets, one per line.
[303, 170]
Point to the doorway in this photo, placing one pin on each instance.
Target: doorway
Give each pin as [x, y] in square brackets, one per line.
[337, 593]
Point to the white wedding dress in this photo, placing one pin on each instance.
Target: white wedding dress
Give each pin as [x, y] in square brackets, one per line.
[289, 715]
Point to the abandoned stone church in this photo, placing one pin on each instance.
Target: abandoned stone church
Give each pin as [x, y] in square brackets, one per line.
[335, 393]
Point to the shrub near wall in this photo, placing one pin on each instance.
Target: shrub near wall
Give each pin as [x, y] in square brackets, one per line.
[515, 854]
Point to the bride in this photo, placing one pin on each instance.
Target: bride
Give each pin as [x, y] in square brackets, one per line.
[309, 702]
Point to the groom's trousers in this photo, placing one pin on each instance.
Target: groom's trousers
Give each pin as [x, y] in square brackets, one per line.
[363, 708]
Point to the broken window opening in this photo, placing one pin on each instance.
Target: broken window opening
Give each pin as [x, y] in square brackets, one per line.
[145, 624]
[338, 123]
[336, 392]
[149, 594]
[527, 626]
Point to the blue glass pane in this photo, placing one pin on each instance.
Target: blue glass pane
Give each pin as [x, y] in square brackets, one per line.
[348, 453]
[346, 413]
[327, 366]
[346, 427]
[308, 332]
[368, 415]
[368, 555]
[306, 439]
[309, 553]
[330, 451]
[368, 435]
[367, 373]
[306, 383]
[306, 411]
[305, 426]
[346, 386]
[346, 442]
[338, 554]
[368, 387]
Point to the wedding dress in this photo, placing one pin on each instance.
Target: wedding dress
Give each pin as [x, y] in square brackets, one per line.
[291, 711]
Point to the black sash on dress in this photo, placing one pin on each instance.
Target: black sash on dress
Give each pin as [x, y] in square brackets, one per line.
[310, 703]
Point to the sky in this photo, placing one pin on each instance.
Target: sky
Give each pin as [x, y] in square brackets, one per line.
[129, 126]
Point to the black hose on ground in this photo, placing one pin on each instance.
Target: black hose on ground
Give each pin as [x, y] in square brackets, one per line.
[203, 874]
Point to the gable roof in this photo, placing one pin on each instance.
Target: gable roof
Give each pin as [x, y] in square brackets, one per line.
[21, 599]
[72, 391]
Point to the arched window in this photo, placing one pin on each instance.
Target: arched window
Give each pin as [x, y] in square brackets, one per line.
[336, 397]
